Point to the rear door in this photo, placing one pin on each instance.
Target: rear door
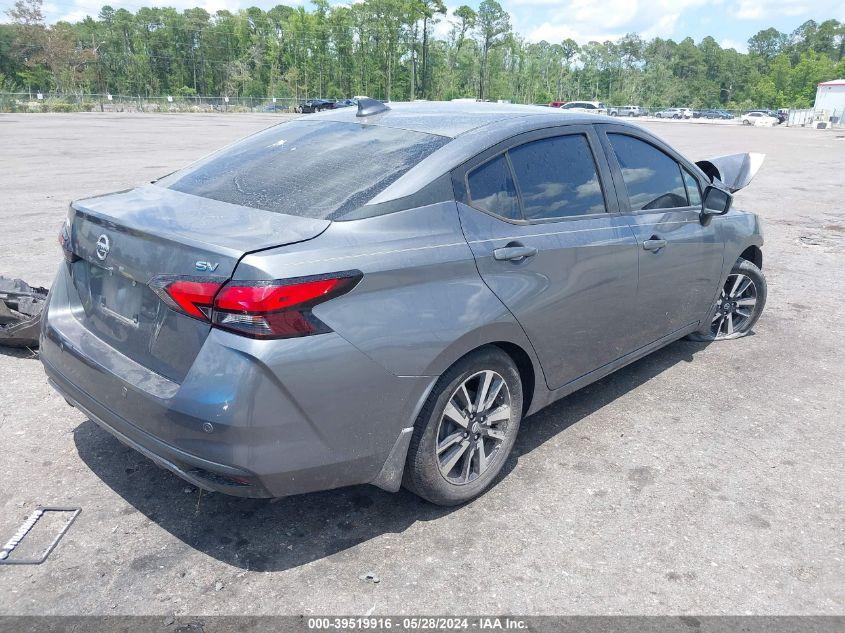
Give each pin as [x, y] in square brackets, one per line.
[680, 257]
[548, 241]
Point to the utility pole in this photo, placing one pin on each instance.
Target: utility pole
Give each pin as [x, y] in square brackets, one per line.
[96, 49]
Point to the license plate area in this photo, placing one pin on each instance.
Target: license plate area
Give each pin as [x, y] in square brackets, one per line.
[116, 295]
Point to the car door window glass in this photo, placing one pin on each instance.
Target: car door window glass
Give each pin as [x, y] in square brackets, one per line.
[652, 178]
[557, 178]
[491, 189]
[693, 192]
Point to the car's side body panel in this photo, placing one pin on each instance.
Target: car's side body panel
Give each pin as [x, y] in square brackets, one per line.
[421, 303]
[676, 283]
[573, 298]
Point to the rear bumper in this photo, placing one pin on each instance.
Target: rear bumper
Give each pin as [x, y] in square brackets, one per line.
[202, 473]
[250, 418]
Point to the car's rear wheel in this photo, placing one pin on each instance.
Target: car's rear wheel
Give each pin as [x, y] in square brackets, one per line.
[738, 306]
[466, 429]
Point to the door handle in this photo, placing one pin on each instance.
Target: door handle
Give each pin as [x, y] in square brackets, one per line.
[654, 244]
[514, 253]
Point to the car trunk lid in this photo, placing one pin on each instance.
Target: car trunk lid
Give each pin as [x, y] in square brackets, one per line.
[122, 241]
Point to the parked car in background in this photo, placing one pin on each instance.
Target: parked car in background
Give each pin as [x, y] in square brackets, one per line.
[629, 110]
[712, 114]
[783, 114]
[759, 118]
[314, 105]
[590, 107]
[252, 322]
[674, 113]
[346, 103]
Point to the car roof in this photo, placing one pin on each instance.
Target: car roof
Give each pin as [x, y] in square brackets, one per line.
[454, 118]
[472, 126]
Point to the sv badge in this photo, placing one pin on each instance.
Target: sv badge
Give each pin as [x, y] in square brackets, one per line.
[206, 266]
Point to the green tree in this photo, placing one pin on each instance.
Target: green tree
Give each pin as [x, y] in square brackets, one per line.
[494, 26]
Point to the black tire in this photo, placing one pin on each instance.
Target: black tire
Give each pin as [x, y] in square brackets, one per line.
[423, 474]
[717, 326]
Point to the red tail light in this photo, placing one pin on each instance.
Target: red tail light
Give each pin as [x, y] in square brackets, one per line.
[192, 295]
[65, 243]
[258, 309]
[279, 309]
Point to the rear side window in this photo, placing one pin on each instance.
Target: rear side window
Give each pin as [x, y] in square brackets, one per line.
[314, 169]
[557, 178]
[652, 178]
[491, 189]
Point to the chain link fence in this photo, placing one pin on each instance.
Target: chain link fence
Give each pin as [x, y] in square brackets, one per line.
[83, 102]
[50, 102]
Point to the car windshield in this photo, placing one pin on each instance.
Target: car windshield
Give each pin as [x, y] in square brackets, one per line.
[315, 169]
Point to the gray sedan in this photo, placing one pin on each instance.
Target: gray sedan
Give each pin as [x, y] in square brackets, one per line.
[381, 294]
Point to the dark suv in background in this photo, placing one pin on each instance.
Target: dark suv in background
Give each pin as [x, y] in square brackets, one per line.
[315, 105]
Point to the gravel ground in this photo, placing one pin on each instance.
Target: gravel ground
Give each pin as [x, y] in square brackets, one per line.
[701, 479]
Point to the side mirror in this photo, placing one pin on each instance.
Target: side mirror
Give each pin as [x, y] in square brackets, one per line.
[716, 201]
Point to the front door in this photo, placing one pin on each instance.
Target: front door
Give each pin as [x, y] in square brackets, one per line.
[548, 242]
[680, 256]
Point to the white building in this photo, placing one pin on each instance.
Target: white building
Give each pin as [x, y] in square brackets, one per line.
[830, 97]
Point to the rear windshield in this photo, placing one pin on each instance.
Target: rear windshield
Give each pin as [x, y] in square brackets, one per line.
[314, 169]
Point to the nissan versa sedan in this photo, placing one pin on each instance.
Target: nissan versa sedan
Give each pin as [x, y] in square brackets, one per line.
[381, 294]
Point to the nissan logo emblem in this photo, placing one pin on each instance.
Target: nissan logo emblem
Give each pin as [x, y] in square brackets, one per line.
[102, 247]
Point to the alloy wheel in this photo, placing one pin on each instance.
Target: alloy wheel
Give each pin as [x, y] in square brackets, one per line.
[473, 427]
[735, 306]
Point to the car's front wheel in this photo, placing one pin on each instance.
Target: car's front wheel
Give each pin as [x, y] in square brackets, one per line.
[466, 429]
[738, 306]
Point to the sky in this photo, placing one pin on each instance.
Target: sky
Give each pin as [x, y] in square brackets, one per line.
[730, 22]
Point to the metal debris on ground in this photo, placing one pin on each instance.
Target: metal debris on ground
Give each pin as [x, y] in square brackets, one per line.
[20, 312]
[26, 528]
[371, 577]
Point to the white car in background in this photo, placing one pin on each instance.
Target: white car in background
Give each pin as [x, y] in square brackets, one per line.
[759, 119]
[592, 107]
[629, 110]
[674, 113]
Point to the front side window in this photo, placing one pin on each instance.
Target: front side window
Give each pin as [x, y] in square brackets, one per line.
[491, 189]
[693, 191]
[311, 169]
[557, 178]
[652, 178]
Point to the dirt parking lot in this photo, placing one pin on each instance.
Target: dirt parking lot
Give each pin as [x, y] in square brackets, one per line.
[701, 479]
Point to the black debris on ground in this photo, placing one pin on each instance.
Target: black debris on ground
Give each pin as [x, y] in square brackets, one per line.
[20, 312]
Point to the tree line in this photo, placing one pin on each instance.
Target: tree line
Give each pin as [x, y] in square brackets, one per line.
[388, 49]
